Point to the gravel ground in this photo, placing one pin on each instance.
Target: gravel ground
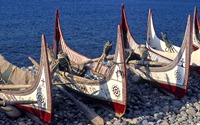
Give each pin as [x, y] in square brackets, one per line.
[146, 105]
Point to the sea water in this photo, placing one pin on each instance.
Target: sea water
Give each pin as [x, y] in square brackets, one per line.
[86, 24]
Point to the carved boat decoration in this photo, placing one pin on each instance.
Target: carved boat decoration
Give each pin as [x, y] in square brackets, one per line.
[20, 89]
[109, 88]
[157, 45]
[173, 76]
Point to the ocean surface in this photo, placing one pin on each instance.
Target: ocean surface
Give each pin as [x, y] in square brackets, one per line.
[86, 24]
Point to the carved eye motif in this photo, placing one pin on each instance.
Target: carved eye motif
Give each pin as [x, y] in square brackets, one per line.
[116, 90]
[40, 99]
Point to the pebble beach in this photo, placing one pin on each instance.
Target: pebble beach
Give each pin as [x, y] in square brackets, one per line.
[146, 105]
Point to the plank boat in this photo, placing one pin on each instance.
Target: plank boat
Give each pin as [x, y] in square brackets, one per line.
[173, 76]
[109, 87]
[168, 50]
[25, 91]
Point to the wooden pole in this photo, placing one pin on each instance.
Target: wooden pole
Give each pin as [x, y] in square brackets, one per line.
[24, 102]
[11, 86]
[109, 57]
[150, 63]
[34, 62]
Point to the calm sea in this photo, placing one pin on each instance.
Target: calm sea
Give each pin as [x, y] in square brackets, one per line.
[86, 24]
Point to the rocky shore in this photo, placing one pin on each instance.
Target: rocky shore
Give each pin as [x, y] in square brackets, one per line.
[146, 105]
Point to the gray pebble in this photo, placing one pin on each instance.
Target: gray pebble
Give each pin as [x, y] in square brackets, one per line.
[189, 92]
[198, 114]
[159, 121]
[132, 121]
[150, 123]
[197, 106]
[191, 111]
[182, 119]
[21, 123]
[145, 122]
[156, 108]
[165, 108]
[190, 117]
[183, 114]
[193, 99]
[164, 123]
[184, 123]
[195, 120]
[117, 122]
[177, 104]
[176, 110]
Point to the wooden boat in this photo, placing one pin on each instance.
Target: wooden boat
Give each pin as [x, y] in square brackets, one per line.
[109, 87]
[173, 76]
[168, 50]
[25, 91]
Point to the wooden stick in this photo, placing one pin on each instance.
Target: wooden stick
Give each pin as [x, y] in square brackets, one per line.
[109, 57]
[75, 77]
[5, 109]
[151, 63]
[11, 86]
[90, 114]
[24, 102]
[34, 62]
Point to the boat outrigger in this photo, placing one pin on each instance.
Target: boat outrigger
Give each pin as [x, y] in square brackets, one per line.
[166, 49]
[104, 84]
[22, 90]
[167, 74]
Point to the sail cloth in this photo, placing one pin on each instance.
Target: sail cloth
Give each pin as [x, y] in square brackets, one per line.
[11, 74]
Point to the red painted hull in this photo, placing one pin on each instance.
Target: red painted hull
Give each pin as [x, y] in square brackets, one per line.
[176, 91]
[45, 117]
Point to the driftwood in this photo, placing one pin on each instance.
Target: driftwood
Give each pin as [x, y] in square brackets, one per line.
[11, 86]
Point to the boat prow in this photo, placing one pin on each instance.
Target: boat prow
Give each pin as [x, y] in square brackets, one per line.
[38, 92]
